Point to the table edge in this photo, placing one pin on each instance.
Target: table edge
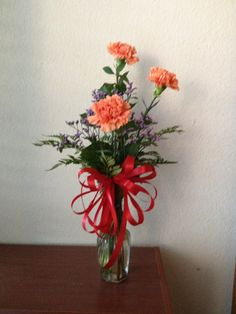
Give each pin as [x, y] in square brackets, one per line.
[163, 283]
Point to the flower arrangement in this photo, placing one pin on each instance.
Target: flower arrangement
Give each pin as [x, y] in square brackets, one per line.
[112, 145]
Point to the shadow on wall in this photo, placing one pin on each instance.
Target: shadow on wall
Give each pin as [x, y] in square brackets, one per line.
[192, 216]
[191, 286]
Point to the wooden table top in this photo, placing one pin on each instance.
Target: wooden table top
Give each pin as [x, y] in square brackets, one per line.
[66, 280]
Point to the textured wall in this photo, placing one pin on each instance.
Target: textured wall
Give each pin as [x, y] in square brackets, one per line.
[52, 53]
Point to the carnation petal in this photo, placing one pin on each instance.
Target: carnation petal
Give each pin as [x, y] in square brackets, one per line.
[110, 113]
[123, 51]
[163, 78]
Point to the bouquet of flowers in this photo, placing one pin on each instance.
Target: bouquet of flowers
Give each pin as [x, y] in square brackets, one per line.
[112, 145]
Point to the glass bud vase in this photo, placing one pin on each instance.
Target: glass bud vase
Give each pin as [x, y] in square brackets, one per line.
[119, 270]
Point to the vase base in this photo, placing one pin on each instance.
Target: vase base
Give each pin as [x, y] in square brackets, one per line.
[112, 277]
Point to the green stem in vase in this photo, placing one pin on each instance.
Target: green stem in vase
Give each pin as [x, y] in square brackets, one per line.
[119, 212]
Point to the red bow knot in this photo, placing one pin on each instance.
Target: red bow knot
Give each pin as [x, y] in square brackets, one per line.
[102, 206]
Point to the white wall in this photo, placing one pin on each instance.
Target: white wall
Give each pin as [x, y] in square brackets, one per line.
[52, 53]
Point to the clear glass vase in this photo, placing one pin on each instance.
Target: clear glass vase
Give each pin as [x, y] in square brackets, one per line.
[119, 270]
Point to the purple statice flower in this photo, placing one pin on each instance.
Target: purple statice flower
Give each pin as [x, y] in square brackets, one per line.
[143, 121]
[78, 134]
[129, 90]
[89, 112]
[127, 93]
[84, 122]
[98, 95]
[150, 135]
[145, 132]
[115, 91]
[156, 138]
[146, 117]
[69, 141]
[63, 141]
[140, 122]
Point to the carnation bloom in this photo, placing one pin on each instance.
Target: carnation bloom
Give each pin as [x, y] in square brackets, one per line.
[110, 113]
[123, 51]
[163, 78]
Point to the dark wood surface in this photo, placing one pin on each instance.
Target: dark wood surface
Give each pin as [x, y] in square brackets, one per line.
[66, 279]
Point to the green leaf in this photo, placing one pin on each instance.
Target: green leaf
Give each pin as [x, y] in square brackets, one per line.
[132, 104]
[159, 90]
[132, 149]
[120, 64]
[121, 87]
[107, 88]
[92, 154]
[83, 115]
[132, 125]
[124, 77]
[116, 170]
[108, 70]
[38, 144]
[169, 130]
[54, 167]
[110, 162]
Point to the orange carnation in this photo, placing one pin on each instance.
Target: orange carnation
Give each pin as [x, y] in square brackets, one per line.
[163, 78]
[123, 51]
[110, 113]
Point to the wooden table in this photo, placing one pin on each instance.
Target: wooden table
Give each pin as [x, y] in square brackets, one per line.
[66, 280]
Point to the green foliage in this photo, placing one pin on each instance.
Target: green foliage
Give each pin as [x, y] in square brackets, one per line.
[124, 77]
[121, 87]
[98, 155]
[132, 125]
[108, 70]
[110, 167]
[159, 90]
[83, 115]
[152, 158]
[107, 151]
[120, 64]
[169, 130]
[67, 161]
[132, 149]
[107, 88]
[92, 155]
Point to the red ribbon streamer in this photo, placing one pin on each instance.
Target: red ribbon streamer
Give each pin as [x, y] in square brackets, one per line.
[103, 202]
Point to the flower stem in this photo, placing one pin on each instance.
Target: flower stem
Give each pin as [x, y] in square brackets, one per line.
[152, 105]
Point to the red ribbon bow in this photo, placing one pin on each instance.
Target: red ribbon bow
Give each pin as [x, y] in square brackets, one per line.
[102, 205]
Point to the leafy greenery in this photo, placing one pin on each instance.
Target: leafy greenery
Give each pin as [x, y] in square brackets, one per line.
[108, 70]
[107, 151]
[93, 155]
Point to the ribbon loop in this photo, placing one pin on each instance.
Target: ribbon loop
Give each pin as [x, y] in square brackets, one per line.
[102, 205]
